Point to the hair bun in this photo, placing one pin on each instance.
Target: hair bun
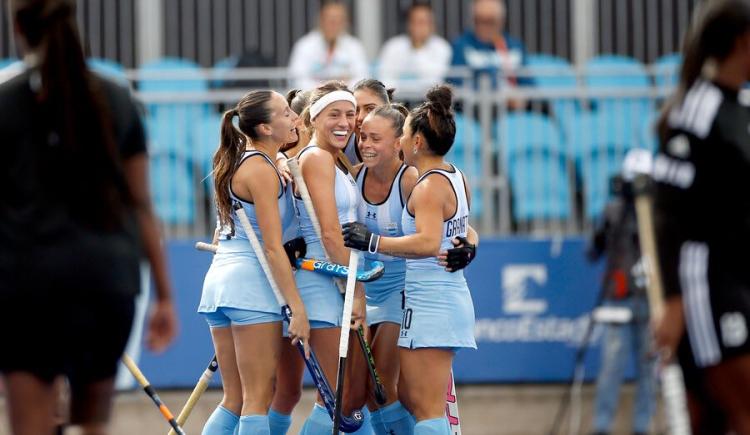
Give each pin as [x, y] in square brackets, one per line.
[441, 96]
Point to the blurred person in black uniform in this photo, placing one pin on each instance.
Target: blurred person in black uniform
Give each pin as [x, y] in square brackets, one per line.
[624, 287]
[702, 218]
[75, 215]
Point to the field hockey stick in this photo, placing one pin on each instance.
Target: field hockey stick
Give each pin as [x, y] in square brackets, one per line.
[451, 407]
[375, 270]
[299, 181]
[197, 392]
[346, 320]
[138, 375]
[348, 423]
[673, 387]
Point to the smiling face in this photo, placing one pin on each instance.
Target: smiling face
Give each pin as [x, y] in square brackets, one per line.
[334, 124]
[282, 128]
[378, 143]
[367, 101]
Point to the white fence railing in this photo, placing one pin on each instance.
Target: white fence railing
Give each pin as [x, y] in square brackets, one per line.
[543, 168]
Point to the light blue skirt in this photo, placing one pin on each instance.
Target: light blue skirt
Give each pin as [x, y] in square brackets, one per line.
[385, 295]
[236, 280]
[319, 293]
[437, 313]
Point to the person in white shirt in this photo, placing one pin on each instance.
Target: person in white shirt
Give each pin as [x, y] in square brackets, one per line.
[418, 60]
[328, 53]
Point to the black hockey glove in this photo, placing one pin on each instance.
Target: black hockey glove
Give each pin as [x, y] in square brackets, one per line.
[357, 236]
[462, 255]
[295, 248]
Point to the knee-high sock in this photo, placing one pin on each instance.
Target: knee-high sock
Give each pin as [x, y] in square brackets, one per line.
[318, 422]
[221, 422]
[393, 419]
[433, 426]
[254, 425]
[278, 422]
[366, 428]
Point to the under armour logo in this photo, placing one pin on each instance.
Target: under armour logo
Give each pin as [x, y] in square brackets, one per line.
[372, 215]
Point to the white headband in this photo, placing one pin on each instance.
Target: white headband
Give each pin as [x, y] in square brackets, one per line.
[330, 98]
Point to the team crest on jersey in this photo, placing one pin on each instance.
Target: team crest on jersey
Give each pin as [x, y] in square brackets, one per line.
[392, 229]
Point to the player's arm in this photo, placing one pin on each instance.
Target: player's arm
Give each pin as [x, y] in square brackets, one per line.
[163, 323]
[428, 202]
[261, 181]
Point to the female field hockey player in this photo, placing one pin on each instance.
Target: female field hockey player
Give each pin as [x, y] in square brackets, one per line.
[369, 93]
[702, 217]
[385, 182]
[75, 218]
[438, 317]
[291, 367]
[334, 197]
[237, 301]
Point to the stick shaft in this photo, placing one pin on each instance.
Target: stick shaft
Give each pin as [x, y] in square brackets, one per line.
[196, 394]
[138, 375]
[451, 407]
[673, 388]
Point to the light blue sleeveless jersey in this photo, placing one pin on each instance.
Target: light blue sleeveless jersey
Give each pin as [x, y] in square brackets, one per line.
[384, 297]
[235, 278]
[438, 310]
[319, 293]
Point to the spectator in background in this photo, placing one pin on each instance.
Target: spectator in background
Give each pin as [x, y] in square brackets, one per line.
[418, 60]
[624, 287]
[488, 49]
[328, 53]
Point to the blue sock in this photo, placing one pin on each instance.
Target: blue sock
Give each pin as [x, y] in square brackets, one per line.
[278, 422]
[393, 419]
[318, 422]
[366, 428]
[254, 425]
[433, 426]
[221, 422]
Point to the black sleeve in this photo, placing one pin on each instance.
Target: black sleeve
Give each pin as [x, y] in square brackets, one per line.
[134, 137]
[676, 202]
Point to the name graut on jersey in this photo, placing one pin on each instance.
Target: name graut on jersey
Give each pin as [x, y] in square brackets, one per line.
[457, 226]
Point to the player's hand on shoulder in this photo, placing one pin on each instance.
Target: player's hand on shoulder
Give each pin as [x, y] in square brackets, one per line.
[458, 257]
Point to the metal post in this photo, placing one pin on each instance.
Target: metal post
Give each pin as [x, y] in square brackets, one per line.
[368, 25]
[149, 30]
[583, 23]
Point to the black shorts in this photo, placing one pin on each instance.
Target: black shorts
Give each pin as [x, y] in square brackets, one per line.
[717, 310]
[81, 337]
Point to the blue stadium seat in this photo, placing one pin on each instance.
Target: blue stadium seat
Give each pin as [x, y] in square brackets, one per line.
[537, 167]
[468, 131]
[626, 114]
[648, 138]
[7, 62]
[171, 124]
[667, 70]
[221, 67]
[172, 188]
[554, 73]
[207, 136]
[598, 149]
[108, 67]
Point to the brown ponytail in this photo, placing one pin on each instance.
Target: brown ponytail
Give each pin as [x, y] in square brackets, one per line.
[252, 110]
